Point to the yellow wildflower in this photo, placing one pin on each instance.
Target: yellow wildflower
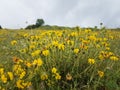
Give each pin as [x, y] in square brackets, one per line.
[97, 45]
[61, 46]
[82, 46]
[85, 41]
[87, 30]
[54, 70]
[76, 50]
[1, 70]
[111, 37]
[33, 43]
[92, 38]
[34, 62]
[16, 67]
[107, 48]
[22, 74]
[114, 58]
[105, 39]
[101, 57]
[74, 34]
[23, 50]
[91, 61]
[10, 75]
[14, 42]
[57, 77]
[39, 62]
[105, 44]
[31, 47]
[111, 53]
[69, 42]
[45, 52]
[100, 73]
[19, 84]
[35, 53]
[26, 35]
[44, 76]
[28, 64]
[26, 84]
[17, 60]
[55, 43]
[68, 77]
[32, 37]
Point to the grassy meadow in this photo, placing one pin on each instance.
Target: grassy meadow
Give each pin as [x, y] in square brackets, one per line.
[60, 59]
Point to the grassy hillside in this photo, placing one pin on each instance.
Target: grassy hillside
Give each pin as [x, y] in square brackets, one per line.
[74, 59]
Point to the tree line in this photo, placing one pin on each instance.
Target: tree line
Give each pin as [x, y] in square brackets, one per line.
[40, 23]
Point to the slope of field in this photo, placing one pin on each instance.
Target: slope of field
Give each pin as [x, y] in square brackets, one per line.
[59, 59]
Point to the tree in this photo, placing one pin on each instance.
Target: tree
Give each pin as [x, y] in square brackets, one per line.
[101, 23]
[39, 22]
[0, 27]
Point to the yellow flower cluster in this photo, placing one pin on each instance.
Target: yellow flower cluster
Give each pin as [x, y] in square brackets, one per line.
[104, 55]
[21, 84]
[5, 76]
[61, 46]
[57, 75]
[19, 71]
[55, 43]
[35, 53]
[37, 62]
[70, 42]
[114, 58]
[45, 52]
[73, 34]
[91, 61]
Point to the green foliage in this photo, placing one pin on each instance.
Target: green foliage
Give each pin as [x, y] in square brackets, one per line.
[31, 27]
[54, 27]
[39, 22]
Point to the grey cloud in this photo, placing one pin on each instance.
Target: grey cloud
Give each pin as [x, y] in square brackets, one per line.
[96, 11]
[85, 13]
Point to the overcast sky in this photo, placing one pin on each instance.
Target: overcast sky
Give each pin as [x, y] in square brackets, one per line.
[85, 13]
